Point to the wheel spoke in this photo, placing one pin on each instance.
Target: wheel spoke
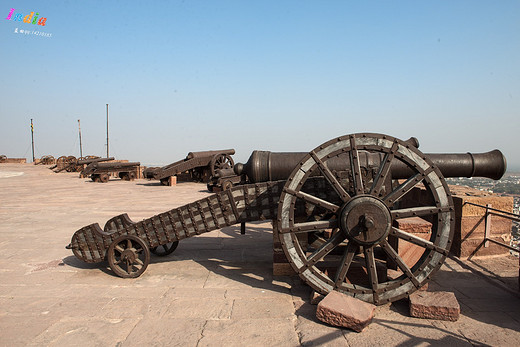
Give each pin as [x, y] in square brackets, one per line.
[128, 266]
[405, 187]
[326, 248]
[418, 241]
[128, 243]
[342, 271]
[371, 271]
[139, 261]
[119, 249]
[331, 178]
[310, 226]
[313, 200]
[357, 178]
[418, 211]
[389, 250]
[383, 171]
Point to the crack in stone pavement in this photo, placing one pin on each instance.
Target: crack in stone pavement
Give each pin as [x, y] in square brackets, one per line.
[202, 333]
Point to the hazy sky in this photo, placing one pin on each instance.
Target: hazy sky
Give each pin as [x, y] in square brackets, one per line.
[183, 76]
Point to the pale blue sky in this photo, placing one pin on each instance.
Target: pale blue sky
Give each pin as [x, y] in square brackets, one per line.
[184, 76]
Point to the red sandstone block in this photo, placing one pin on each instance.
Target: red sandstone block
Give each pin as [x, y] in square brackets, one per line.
[434, 305]
[341, 310]
[409, 252]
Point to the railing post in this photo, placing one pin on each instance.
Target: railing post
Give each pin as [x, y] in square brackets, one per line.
[487, 226]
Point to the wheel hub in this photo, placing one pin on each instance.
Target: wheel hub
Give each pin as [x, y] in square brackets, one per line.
[366, 220]
[128, 255]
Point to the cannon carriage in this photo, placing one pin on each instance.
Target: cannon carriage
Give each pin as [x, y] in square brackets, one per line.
[101, 171]
[199, 165]
[335, 213]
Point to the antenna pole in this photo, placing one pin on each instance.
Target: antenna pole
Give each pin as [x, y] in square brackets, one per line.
[80, 147]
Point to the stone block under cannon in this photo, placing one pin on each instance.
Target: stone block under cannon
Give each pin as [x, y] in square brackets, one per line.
[334, 212]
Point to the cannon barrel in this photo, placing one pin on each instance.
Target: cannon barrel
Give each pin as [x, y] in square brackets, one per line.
[192, 155]
[264, 166]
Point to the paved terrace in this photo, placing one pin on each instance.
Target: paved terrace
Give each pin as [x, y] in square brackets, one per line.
[216, 289]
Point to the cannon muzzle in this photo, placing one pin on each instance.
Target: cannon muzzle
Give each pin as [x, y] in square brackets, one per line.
[264, 166]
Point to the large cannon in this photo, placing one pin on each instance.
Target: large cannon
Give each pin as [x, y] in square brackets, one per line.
[335, 213]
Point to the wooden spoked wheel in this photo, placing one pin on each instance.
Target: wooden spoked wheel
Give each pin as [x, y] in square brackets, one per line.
[128, 256]
[221, 161]
[359, 241]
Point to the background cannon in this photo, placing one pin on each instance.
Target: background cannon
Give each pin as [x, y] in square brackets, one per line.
[100, 171]
[200, 165]
[336, 215]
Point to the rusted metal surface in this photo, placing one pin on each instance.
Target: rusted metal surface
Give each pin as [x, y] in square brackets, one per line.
[199, 164]
[100, 172]
[337, 224]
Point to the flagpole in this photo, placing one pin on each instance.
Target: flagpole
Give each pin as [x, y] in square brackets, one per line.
[32, 138]
[107, 133]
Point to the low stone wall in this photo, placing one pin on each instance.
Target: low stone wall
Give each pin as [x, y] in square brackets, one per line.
[471, 222]
[14, 161]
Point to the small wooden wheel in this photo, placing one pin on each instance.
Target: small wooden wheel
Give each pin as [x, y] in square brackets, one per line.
[103, 178]
[357, 254]
[128, 256]
[221, 161]
[164, 250]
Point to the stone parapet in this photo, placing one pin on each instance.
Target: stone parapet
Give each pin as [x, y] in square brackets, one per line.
[470, 225]
[14, 160]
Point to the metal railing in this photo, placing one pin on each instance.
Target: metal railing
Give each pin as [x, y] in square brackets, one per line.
[490, 211]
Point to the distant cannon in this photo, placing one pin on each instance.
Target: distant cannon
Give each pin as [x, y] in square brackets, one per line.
[199, 164]
[46, 160]
[335, 213]
[83, 163]
[100, 172]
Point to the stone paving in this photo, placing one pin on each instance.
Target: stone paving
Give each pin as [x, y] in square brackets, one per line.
[216, 289]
